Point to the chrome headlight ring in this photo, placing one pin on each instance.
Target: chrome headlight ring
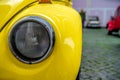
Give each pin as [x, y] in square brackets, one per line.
[31, 39]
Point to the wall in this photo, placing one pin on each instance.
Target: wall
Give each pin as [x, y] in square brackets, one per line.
[102, 8]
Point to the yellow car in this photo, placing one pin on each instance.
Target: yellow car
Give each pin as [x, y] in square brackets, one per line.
[39, 40]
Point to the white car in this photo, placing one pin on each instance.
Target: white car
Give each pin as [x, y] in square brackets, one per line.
[93, 21]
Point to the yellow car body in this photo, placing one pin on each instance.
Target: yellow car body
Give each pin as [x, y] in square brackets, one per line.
[64, 61]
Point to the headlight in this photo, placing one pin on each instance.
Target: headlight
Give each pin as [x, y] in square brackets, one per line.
[31, 39]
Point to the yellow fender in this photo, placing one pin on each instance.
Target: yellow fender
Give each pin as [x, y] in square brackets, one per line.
[64, 61]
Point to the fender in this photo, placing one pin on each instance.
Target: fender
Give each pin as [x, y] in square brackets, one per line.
[64, 61]
[9, 8]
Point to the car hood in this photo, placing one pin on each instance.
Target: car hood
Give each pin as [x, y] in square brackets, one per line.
[8, 8]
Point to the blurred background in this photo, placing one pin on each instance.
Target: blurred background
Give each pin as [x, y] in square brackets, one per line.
[101, 46]
[104, 9]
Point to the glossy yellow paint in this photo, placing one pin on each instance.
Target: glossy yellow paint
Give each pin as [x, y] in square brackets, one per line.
[63, 2]
[64, 61]
[9, 8]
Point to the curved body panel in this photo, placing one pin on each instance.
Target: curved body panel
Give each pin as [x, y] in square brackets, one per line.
[9, 8]
[64, 61]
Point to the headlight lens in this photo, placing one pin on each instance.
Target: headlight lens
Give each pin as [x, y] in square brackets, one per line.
[31, 39]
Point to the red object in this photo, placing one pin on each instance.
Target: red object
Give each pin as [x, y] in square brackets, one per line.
[111, 25]
[114, 24]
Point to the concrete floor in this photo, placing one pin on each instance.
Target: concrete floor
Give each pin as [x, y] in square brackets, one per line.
[101, 56]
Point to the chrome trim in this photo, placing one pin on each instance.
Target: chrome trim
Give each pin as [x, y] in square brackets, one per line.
[48, 28]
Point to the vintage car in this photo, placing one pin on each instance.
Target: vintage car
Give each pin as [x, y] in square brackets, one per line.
[113, 25]
[93, 22]
[39, 40]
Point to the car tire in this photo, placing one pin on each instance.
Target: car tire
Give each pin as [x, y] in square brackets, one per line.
[118, 32]
[109, 33]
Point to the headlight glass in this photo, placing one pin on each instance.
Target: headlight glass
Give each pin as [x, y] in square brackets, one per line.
[31, 39]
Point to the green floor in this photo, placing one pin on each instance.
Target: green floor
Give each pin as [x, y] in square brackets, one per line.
[101, 56]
